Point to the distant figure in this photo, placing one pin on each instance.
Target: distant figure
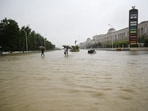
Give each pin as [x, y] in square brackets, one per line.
[66, 51]
[42, 52]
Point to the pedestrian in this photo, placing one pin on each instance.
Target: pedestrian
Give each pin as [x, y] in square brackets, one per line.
[42, 52]
[66, 50]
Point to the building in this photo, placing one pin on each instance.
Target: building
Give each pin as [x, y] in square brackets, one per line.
[113, 36]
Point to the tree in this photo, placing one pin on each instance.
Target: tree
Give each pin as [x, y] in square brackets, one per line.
[12, 38]
[9, 34]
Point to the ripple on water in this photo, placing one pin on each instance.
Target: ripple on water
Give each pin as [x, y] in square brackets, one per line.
[125, 96]
[128, 90]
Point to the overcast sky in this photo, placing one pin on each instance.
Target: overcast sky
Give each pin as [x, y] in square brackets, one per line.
[64, 21]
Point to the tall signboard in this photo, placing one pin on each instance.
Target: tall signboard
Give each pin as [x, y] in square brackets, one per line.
[133, 25]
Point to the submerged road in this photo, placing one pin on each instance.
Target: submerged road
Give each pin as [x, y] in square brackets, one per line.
[105, 81]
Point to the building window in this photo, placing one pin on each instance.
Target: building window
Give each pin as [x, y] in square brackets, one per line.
[141, 31]
[115, 37]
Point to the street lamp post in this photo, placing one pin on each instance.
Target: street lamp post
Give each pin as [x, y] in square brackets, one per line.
[112, 40]
[26, 40]
[45, 42]
[112, 35]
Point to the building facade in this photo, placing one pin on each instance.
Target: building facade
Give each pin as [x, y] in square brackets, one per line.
[113, 36]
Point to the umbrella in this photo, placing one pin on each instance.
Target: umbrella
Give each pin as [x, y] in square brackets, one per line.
[41, 47]
[66, 46]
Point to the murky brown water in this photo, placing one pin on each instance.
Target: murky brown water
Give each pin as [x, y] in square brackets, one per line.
[105, 81]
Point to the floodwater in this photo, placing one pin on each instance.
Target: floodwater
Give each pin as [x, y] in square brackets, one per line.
[105, 81]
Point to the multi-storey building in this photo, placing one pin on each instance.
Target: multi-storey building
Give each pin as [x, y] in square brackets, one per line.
[113, 36]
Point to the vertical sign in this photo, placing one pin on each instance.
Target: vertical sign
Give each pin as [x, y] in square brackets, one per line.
[133, 25]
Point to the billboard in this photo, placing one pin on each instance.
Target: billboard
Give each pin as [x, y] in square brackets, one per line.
[133, 25]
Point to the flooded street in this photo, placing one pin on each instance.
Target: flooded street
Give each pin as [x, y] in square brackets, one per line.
[105, 81]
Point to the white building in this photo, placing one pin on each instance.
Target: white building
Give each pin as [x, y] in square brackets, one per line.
[113, 36]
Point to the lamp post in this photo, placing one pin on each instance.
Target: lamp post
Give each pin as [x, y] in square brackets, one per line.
[45, 42]
[26, 40]
[112, 34]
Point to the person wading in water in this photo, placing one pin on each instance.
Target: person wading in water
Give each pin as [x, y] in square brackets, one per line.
[66, 51]
[42, 52]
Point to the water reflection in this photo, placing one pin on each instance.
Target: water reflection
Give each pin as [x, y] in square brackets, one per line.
[105, 81]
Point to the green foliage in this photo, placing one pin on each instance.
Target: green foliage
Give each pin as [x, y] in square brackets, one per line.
[75, 48]
[118, 44]
[12, 38]
[134, 45]
[146, 42]
[143, 39]
[121, 43]
[9, 35]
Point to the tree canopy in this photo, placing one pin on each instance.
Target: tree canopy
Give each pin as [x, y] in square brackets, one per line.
[13, 38]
